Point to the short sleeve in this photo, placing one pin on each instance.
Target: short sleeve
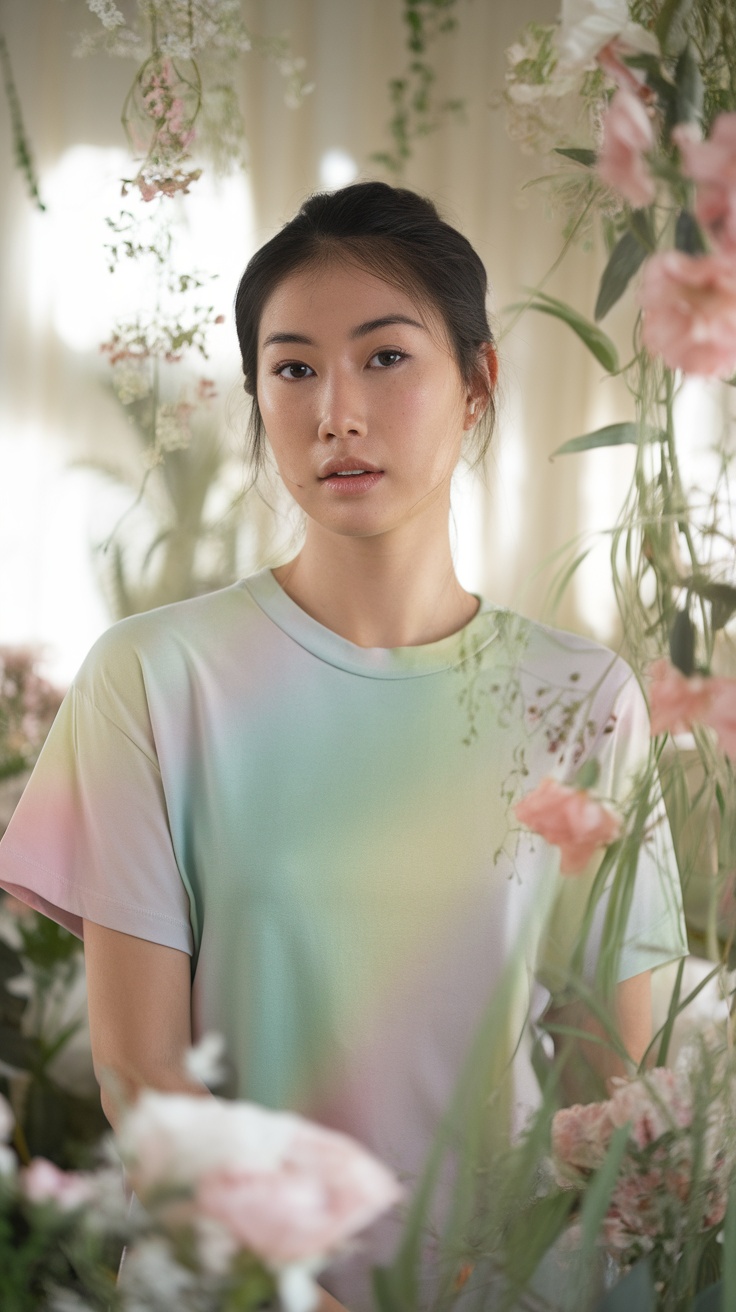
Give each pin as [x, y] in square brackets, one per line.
[90, 837]
[655, 932]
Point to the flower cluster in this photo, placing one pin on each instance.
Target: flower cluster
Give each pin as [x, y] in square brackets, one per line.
[671, 1163]
[28, 704]
[242, 1178]
[239, 1202]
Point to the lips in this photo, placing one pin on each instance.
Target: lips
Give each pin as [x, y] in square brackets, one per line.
[347, 465]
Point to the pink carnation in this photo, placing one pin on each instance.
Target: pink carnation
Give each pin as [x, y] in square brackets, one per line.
[676, 703]
[689, 305]
[580, 1138]
[627, 134]
[570, 819]
[42, 1182]
[712, 166]
[658, 1102]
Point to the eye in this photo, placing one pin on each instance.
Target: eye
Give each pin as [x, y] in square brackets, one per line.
[295, 371]
[388, 358]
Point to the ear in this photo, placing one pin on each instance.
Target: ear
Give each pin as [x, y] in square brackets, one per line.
[479, 398]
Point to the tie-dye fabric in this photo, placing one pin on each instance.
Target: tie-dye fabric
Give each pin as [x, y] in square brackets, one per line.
[327, 829]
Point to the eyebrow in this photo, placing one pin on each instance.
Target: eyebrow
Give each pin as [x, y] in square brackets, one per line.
[362, 330]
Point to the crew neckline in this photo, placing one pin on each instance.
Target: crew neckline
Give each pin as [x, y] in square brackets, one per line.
[372, 662]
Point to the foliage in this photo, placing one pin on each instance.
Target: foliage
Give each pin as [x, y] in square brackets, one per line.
[28, 704]
[21, 145]
[40, 968]
[416, 112]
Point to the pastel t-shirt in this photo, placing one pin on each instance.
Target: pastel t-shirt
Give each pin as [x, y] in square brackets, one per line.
[327, 830]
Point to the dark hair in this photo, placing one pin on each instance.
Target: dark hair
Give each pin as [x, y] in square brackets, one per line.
[397, 235]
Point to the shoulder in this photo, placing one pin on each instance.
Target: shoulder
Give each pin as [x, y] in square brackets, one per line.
[157, 645]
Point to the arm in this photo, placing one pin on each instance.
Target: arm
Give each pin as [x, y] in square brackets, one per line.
[591, 1065]
[139, 1000]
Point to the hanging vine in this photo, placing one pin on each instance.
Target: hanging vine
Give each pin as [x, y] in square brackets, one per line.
[416, 110]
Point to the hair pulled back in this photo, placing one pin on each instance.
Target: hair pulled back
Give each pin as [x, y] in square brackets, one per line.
[396, 235]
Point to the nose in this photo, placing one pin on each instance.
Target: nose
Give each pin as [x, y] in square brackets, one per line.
[343, 410]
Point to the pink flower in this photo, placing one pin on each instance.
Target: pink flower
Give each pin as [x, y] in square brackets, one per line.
[570, 819]
[325, 1190]
[712, 166]
[627, 134]
[580, 1138]
[283, 1187]
[655, 1103]
[633, 79]
[689, 305]
[676, 703]
[42, 1182]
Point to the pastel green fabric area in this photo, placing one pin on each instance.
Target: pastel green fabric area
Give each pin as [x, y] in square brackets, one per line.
[327, 829]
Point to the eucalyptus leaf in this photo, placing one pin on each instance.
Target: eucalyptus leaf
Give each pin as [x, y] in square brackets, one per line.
[634, 1293]
[598, 1196]
[597, 342]
[579, 154]
[625, 259]
[533, 1232]
[626, 434]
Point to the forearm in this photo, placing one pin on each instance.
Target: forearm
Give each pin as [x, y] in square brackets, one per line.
[329, 1304]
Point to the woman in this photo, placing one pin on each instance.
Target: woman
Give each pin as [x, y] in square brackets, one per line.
[283, 811]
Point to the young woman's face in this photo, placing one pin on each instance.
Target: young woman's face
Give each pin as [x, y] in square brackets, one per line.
[354, 376]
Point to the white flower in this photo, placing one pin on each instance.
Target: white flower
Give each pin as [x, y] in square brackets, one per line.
[7, 1119]
[131, 384]
[151, 1278]
[298, 1290]
[205, 1060]
[8, 1161]
[107, 12]
[586, 26]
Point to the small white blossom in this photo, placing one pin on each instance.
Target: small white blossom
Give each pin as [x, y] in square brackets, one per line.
[205, 1060]
[130, 384]
[107, 12]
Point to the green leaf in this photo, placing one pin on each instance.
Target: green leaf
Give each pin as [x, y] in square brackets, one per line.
[710, 1299]
[598, 1196]
[627, 434]
[579, 154]
[626, 257]
[672, 1014]
[587, 775]
[682, 643]
[669, 28]
[722, 598]
[635, 1293]
[689, 81]
[533, 1231]
[729, 1252]
[596, 341]
[688, 237]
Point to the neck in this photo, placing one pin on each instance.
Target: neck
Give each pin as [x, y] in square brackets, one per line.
[388, 591]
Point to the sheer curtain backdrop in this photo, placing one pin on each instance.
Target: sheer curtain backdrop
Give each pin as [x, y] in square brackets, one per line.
[58, 300]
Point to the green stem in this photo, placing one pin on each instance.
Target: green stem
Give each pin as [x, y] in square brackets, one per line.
[21, 147]
[682, 520]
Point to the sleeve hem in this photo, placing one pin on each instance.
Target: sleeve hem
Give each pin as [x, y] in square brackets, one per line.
[80, 904]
